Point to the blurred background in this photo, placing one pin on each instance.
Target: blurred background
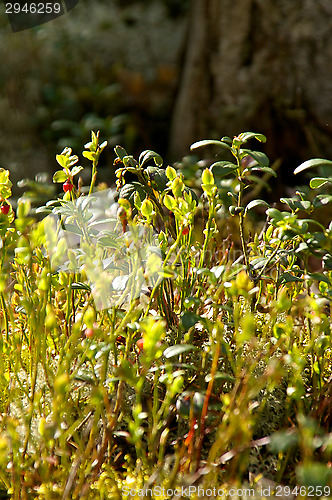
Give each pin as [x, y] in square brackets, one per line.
[161, 74]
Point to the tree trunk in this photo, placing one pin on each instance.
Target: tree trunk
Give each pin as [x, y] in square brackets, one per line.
[260, 65]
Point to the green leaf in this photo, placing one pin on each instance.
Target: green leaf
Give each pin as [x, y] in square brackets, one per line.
[281, 441]
[316, 475]
[148, 155]
[258, 156]
[220, 376]
[23, 208]
[128, 192]
[269, 170]
[318, 277]
[109, 242]
[60, 176]
[62, 160]
[72, 228]
[90, 155]
[208, 142]
[176, 350]
[321, 199]
[130, 160]
[191, 301]
[147, 208]
[287, 277]
[43, 210]
[258, 263]
[223, 168]
[190, 191]
[316, 162]
[296, 204]
[274, 213]
[5, 192]
[80, 286]
[158, 178]
[256, 203]
[317, 182]
[4, 178]
[189, 319]
[167, 272]
[245, 136]
[170, 202]
[207, 177]
[120, 152]
[75, 170]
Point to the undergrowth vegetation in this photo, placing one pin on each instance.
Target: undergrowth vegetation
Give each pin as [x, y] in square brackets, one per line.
[170, 335]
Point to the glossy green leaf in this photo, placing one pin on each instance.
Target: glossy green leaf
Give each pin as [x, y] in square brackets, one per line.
[258, 156]
[296, 204]
[158, 178]
[170, 202]
[256, 203]
[43, 210]
[63, 160]
[211, 142]
[60, 176]
[317, 182]
[274, 213]
[176, 350]
[268, 170]
[23, 208]
[128, 192]
[321, 199]
[258, 263]
[316, 162]
[245, 136]
[191, 192]
[220, 376]
[120, 152]
[90, 155]
[147, 155]
[4, 178]
[223, 168]
[129, 161]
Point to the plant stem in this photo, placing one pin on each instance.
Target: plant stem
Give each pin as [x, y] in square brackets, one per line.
[93, 175]
[241, 228]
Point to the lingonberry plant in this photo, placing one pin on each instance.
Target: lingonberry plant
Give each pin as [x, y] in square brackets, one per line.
[155, 337]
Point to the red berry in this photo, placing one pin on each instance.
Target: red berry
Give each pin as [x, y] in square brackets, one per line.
[5, 208]
[88, 332]
[140, 345]
[67, 186]
[185, 230]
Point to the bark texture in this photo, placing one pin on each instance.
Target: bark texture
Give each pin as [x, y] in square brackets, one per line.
[262, 65]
